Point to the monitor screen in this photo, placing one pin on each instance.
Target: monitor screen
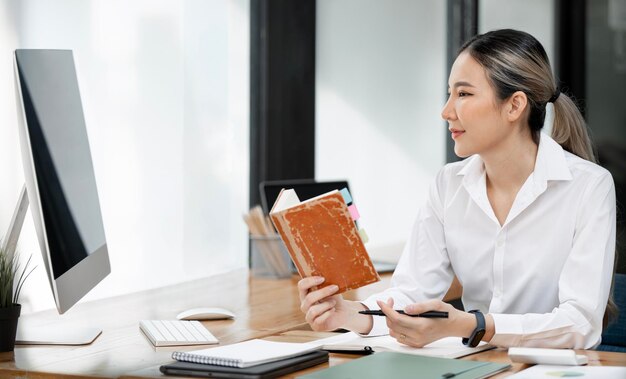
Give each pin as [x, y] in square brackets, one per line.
[59, 173]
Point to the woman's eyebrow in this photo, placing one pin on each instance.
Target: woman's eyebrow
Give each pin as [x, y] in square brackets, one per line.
[462, 84]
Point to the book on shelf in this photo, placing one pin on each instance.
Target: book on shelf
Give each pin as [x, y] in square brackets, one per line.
[449, 347]
[322, 238]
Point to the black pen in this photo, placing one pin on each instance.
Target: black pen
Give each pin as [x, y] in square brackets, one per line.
[429, 314]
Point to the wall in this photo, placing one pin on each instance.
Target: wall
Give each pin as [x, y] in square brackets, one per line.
[380, 83]
[164, 86]
[532, 16]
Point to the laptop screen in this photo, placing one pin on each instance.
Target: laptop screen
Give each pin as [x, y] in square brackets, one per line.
[305, 188]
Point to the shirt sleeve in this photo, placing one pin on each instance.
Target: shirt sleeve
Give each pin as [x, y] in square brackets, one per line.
[584, 283]
[423, 271]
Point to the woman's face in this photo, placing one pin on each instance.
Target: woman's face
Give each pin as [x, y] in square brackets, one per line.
[475, 119]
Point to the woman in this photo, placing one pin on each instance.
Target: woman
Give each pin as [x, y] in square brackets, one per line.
[526, 222]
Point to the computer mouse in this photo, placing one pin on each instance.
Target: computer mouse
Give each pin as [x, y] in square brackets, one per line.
[205, 313]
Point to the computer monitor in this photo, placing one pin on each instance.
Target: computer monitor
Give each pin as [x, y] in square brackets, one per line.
[58, 169]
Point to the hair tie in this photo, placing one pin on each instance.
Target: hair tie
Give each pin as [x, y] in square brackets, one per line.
[555, 96]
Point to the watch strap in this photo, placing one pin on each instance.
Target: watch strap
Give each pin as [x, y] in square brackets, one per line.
[477, 334]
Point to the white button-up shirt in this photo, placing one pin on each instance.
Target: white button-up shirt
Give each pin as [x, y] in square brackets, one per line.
[544, 275]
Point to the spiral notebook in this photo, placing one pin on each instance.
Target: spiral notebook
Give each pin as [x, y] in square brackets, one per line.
[246, 354]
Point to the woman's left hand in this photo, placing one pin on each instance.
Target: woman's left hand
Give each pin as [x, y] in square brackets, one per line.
[420, 331]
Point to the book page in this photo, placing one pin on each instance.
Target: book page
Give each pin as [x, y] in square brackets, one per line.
[287, 198]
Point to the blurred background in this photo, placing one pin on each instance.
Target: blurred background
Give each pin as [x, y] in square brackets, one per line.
[190, 104]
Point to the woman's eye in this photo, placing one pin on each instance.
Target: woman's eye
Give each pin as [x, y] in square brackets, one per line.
[463, 94]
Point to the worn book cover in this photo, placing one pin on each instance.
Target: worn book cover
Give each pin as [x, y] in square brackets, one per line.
[323, 240]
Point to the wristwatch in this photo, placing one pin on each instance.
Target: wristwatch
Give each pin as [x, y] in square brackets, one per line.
[479, 331]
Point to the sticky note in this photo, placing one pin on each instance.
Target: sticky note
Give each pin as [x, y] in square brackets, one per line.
[354, 212]
[363, 235]
[346, 195]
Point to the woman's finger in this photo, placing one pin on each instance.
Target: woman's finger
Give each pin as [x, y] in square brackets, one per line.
[322, 322]
[392, 316]
[305, 284]
[318, 309]
[316, 296]
[430, 305]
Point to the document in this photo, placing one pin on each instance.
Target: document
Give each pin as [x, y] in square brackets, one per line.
[584, 372]
[450, 347]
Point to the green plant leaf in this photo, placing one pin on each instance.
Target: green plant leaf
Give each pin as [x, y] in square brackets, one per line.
[10, 270]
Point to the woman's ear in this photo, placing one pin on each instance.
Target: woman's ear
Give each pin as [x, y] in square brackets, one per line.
[516, 106]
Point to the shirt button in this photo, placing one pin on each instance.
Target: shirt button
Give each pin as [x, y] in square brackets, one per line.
[500, 243]
[497, 293]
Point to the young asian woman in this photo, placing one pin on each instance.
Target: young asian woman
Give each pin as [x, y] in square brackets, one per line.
[526, 222]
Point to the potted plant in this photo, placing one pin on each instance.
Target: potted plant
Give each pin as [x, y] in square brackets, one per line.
[10, 274]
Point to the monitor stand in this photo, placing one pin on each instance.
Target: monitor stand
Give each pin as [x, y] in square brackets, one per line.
[51, 335]
[56, 336]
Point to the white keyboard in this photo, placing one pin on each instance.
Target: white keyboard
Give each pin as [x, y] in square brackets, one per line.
[176, 333]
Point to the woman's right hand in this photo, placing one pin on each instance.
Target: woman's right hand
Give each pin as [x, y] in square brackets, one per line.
[325, 310]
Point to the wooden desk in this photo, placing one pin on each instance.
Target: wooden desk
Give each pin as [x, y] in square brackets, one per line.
[265, 309]
[596, 358]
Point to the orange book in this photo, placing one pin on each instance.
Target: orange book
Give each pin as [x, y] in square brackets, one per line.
[323, 240]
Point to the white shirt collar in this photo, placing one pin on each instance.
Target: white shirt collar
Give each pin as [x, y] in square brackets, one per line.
[550, 163]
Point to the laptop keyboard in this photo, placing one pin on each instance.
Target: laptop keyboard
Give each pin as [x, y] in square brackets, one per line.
[176, 333]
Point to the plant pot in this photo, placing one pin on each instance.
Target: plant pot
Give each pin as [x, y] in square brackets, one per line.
[8, 326]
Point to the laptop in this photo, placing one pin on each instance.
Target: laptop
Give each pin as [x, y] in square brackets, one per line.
[307, 189]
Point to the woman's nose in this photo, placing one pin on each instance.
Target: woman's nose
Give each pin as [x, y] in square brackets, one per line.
[447, 113]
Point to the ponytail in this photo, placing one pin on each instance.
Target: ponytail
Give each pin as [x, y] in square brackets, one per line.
[569, 129]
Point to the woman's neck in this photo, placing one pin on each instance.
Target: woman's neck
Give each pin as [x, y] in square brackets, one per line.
[510, 163]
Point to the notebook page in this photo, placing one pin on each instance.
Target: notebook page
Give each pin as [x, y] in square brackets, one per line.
[246, 354]
[450, 347]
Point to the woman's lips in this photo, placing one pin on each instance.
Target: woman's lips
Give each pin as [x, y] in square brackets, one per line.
[456, 133]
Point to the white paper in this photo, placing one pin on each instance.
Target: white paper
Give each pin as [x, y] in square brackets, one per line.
[450, 347]
[586, 372]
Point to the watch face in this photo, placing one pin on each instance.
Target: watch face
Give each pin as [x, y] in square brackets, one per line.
[479, 336]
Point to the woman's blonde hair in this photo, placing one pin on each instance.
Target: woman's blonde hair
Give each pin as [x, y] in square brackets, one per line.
[516, 61]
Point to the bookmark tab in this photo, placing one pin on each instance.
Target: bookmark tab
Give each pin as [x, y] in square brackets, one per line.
[354, 212]
[346, 195]
[364, 237]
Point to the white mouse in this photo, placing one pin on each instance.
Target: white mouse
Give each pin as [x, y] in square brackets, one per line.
[205, 313]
